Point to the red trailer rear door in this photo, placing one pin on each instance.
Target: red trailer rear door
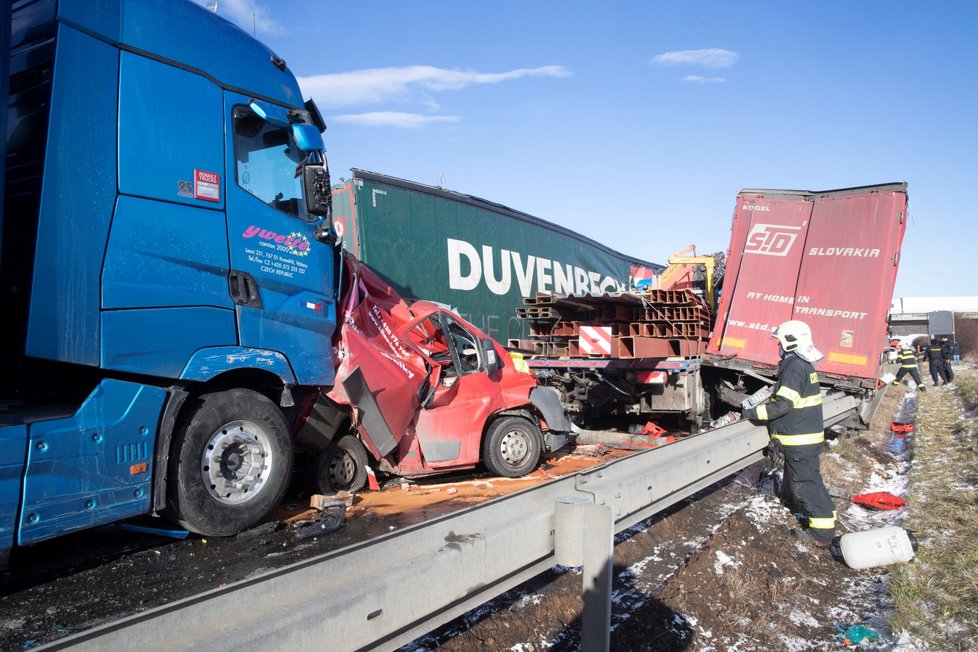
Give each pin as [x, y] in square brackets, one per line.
[826, 258]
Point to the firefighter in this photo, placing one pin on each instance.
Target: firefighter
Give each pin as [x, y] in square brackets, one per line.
[908, 365]
[948, 354]
[793, 416]
[935, 360]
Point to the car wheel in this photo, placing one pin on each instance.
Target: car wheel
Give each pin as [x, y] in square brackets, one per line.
[512, 447]
[342, 466]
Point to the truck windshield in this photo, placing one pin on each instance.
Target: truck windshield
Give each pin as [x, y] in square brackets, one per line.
[266, 159]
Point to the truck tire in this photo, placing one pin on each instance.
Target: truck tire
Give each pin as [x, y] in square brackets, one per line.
[342, 466]
[512, 447]
[230, 464]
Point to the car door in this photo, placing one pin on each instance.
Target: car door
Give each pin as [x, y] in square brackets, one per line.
[463, 396]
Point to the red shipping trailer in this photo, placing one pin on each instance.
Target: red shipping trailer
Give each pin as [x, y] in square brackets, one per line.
[827, 258]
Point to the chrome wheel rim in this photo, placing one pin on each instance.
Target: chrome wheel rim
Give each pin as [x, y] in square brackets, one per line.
[236, 462]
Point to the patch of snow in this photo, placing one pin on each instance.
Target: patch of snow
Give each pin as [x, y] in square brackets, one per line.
[742, 644]
[799, 618]
[907, 643]
[530, 599]
[795, 643]
[723, 559]
[761, 509]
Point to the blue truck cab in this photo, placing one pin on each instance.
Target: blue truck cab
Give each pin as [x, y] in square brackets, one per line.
[168, 268]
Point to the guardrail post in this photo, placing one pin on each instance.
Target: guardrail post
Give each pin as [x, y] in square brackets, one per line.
[584, 536]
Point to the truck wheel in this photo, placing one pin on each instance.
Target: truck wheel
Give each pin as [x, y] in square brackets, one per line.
[232, 461]
[342, 466]
[512, 447]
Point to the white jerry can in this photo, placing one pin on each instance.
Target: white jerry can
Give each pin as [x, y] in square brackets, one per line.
[878, 547]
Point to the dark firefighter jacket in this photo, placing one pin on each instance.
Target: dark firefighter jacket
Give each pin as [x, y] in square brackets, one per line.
[936, 353]
[794, 411]
[907, 358]
[947, 349]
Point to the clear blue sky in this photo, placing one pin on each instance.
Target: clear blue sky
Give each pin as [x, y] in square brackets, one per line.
[636, 123]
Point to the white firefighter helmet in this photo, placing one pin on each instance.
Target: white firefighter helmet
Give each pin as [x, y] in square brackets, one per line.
[796, 337]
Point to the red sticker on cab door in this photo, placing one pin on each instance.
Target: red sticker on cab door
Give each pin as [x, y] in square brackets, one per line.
[207, 186]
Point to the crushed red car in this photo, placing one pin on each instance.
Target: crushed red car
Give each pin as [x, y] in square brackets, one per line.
[420, 391]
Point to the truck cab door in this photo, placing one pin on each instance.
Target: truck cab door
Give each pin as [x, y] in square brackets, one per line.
[281, 277]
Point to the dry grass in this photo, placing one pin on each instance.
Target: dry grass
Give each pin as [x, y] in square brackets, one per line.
[738, 585]
[849, 463]
[967, 389]
[936, 598]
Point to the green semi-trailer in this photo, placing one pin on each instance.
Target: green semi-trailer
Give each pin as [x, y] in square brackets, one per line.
[478, 256]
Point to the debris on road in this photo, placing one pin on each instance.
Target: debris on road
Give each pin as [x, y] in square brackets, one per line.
[857, 634]
[879, 500]
[258, 531]
[320, 501]
[331, 518]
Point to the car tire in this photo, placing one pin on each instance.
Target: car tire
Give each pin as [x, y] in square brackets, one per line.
[342, 466]
[512, 446]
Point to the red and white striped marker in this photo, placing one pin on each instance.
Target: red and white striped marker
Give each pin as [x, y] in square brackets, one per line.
[595, 340]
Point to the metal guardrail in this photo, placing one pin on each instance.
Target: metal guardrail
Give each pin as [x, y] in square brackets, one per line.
[390, 590]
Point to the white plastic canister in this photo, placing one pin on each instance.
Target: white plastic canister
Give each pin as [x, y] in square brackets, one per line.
[879, 547]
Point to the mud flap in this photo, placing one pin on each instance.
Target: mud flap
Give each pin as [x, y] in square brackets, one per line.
[548, 403]
[552, 442]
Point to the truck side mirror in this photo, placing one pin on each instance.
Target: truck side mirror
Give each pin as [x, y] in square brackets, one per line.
[271, 113]
[307, 138]
[315, 187]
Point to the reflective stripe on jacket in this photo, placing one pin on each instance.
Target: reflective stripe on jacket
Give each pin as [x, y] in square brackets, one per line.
[907, 359]
[794, 412]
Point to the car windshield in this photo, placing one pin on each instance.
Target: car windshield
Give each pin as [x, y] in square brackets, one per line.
[266, 158]
[429, 336]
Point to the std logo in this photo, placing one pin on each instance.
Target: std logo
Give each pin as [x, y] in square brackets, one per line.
[771, 239]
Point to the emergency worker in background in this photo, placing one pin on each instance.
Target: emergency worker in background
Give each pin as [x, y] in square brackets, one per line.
[948, 352]
[793, 416]
[935, 360]
[908, 365]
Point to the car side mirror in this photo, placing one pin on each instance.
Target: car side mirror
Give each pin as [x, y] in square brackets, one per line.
[493, 362]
